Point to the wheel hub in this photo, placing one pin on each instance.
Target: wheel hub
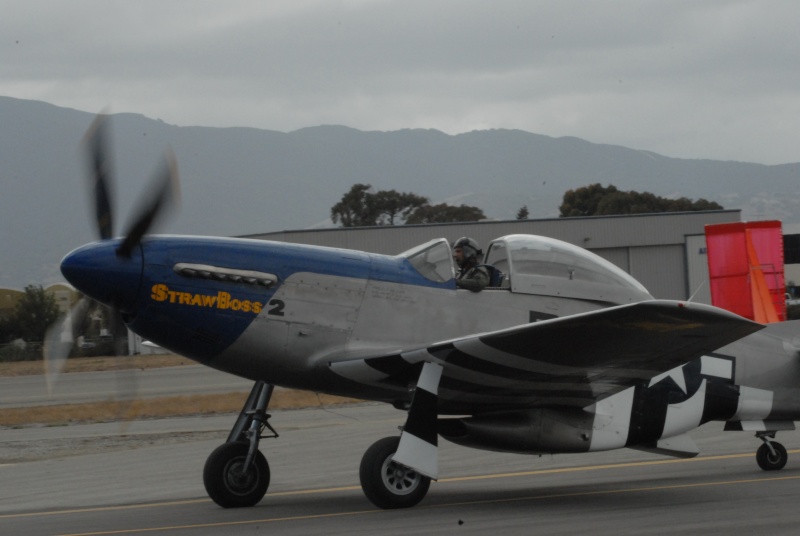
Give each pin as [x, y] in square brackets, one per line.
[237, 480]
[398, 478]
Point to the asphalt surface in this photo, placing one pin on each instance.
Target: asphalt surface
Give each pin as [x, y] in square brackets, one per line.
[146, 478]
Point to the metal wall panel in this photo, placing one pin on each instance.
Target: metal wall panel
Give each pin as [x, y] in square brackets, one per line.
[661, 269]
[595, 232]
[697, 269]
[619, 256]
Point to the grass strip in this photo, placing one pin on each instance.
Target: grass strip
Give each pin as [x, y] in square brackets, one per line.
[171, 406]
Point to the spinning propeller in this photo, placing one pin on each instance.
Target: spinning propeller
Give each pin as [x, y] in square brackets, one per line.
[160, 197]
[162, 194]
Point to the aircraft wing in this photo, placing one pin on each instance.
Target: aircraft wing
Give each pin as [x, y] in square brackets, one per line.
[567, 361]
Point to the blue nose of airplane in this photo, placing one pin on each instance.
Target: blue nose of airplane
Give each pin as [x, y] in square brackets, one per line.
[97, 271]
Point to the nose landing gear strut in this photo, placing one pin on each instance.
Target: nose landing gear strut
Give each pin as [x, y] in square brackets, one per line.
[236, 473]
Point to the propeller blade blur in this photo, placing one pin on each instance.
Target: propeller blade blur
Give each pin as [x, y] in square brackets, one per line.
[59, 339]
[101, 175]
[163, 194]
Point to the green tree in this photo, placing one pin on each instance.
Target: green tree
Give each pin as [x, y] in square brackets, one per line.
[6, 330]
[355, 208]
[522, 213]
[34, 313]
[393, 206]
[595, 200]
[361, 207]
[444, 213]
[682, 204]
[584, 201]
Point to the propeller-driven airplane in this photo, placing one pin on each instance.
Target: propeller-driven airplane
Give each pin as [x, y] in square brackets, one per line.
[566, 353]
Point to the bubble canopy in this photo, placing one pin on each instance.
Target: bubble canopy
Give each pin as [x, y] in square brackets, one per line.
[541, 265]
[538, 265]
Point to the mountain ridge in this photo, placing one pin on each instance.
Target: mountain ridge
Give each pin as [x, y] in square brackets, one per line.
[243, 180]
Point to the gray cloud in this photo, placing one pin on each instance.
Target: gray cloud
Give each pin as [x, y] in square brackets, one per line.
[712, 79]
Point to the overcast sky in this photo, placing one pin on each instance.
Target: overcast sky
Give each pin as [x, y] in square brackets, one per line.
[690, 79]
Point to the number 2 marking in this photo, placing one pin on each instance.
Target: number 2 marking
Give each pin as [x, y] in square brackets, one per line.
[277, 307]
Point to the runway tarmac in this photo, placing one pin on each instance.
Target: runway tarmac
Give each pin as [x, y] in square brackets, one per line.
[147, 479]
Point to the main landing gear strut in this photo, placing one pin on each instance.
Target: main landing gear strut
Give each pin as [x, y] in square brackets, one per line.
[386, 483]
[236, 473]
[771, 456]
[395, 472]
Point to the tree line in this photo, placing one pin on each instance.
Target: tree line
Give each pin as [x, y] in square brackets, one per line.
[35, 311]
[598, 200]
[361, 206]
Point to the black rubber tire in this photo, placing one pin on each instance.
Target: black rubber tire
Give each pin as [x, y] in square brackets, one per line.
[223, 481]
[767, 461]
[388, 484]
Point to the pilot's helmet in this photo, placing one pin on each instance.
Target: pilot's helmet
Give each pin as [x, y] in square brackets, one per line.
[468, 246]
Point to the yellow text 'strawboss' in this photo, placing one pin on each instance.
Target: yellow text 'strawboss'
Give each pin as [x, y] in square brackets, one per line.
[222, 300]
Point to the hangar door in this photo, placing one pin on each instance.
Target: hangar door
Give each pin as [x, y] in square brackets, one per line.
[661, 269]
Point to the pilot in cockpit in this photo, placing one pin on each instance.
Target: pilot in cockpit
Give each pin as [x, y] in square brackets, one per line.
[471, 274]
